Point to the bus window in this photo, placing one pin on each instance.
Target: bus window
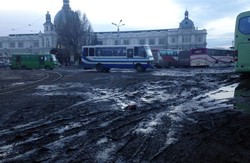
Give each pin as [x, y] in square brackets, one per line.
[136, 51]
[98, 52]
[244, 25]
[85, 51]
[41, 60]
[130, 53]
[91, 51]
[140, 51]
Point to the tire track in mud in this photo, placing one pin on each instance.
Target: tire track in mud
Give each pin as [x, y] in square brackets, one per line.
[91, 130]
[49, 77]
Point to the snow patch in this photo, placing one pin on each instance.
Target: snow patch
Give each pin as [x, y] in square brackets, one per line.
[104, 155]
[149, 127]
[102, 141]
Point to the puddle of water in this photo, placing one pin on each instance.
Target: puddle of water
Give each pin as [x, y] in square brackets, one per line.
[225, 92]
[192, 71]
[221, 94]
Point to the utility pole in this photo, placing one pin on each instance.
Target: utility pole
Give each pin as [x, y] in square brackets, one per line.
[118, 30]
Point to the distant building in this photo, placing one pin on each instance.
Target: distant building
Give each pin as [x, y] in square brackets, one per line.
[183, 38]
[30, 43]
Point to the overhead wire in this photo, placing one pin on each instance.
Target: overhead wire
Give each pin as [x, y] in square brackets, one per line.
[22, 27]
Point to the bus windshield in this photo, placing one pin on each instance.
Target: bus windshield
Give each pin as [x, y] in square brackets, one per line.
[148, 52]
[168, 52]
[54, 58]
[244, 25]
[198, 51]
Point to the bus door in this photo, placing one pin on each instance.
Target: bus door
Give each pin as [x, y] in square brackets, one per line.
[130, 53]
[41, 61]
[18, 60]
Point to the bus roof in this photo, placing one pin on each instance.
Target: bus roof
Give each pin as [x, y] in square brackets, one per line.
[29, 54]
[212, 49]
[102, 46]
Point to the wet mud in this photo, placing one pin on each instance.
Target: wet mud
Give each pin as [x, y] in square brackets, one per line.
[161, 115]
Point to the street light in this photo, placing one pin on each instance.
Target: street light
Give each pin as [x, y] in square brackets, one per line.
[118, 30]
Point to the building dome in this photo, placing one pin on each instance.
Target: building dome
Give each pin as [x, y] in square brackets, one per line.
[64, 13]
[186, 22]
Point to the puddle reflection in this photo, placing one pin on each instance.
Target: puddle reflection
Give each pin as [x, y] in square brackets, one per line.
[242, 95]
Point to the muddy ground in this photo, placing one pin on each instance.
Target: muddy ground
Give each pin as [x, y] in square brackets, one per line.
[161, 115]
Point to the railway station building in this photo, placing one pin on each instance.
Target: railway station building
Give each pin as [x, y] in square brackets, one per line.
[185, 37]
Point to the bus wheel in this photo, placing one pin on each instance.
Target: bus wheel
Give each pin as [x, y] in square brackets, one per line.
[106, 70]
[99, 67]
[24, 67]
[48, 68]
[139, 68]
[169, 64]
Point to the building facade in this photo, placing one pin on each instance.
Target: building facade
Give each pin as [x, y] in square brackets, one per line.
[30, 43]
[185, 37]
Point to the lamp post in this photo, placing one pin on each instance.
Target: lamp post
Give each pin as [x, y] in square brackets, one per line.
[118, 29]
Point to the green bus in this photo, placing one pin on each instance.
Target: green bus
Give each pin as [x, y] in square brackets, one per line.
[242, 42]
[33, 61]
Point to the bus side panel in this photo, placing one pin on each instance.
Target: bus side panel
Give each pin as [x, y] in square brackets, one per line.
[198, 60]
[34, 62]
[243, 64]
[184, 58]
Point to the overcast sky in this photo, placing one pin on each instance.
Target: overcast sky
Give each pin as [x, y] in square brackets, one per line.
[216, 16]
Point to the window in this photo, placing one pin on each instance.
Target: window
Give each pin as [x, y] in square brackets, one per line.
[100, 43]
[119, 51]
[47, 42]
[104, 51]
[126, 42]
[199, 39]
[91, 51]
[20, 45]
[130, 53]
[173, 40]
[139, 51]
[142, 42]
[86, 51]
[116, 42]
[186, 39]
[244, 25]
[36, 44]
[12, 45]
[151, 41]
[161, 41]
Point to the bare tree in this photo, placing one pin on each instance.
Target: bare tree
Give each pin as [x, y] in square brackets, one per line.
[89, 37]
[74, 32]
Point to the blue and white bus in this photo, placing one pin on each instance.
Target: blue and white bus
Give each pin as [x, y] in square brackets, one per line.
[103, 57]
